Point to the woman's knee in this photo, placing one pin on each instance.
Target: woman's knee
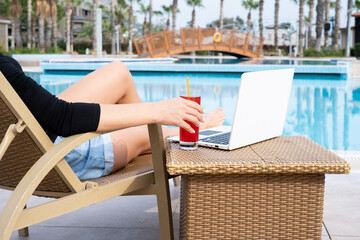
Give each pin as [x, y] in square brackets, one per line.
[120, 69]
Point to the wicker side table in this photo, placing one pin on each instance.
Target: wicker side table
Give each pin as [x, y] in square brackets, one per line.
[269, 190]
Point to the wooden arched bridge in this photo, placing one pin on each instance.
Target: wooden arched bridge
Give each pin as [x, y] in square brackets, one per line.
[230, 41]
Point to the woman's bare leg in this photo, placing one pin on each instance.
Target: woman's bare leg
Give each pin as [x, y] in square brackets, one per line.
[110, 84]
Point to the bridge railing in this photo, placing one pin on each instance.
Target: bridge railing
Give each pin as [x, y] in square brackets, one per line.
[198, 39]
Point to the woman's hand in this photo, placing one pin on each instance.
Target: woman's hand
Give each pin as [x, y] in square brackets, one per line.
[176, 111]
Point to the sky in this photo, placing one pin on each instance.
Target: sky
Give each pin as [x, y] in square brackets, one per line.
[211, 11]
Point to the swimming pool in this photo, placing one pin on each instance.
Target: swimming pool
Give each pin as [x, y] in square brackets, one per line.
[327, 110]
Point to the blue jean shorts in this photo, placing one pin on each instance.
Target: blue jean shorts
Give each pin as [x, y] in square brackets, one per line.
[92, 159]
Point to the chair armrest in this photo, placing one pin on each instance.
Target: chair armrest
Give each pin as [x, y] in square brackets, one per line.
[37, 173]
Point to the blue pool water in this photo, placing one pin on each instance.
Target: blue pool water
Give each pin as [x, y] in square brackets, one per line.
[326, 109]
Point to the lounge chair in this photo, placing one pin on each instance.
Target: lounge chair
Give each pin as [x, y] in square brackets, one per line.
[30, 164]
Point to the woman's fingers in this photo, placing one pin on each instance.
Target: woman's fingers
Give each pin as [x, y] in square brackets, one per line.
[178, 110]
[187, 127]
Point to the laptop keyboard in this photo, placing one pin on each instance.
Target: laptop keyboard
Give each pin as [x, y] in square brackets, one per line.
[219, 139]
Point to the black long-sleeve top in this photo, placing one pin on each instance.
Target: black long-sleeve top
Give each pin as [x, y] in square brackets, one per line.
[57, 117]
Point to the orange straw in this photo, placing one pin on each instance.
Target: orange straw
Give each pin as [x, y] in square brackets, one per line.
[188, 87]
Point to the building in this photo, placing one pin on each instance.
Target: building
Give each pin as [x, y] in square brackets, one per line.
[4, 38]
[354, 33]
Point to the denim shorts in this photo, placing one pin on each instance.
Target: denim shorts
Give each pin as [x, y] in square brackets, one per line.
[92, 159]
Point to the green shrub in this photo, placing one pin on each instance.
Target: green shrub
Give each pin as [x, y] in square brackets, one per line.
[325, 52]
[311, 52]
[357, 50]
[3, 51]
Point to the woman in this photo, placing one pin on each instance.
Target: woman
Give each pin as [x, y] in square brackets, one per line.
[104, 100]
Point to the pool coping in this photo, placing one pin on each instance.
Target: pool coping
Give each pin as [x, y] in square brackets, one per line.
[342, 70]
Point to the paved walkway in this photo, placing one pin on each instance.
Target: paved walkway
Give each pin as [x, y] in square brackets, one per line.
[133, 218]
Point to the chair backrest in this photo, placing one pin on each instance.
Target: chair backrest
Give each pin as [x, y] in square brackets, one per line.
[27, 147]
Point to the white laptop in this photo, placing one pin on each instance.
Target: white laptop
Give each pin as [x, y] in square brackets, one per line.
[260, 111]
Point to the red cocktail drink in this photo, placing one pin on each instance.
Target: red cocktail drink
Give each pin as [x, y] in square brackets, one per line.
[188, 140]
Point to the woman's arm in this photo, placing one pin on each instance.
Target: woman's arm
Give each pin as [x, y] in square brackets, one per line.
[172, 112]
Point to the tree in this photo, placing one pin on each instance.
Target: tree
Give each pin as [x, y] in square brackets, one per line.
[249, 5]
[261, 27]
[75, 3]
[42, 11]
[327, 19]
[276, 25]
[15, 12]
[94, 7]
[194, 4]
[150, 15]
[144, 10]
[168, 10]
[51, 24]
[131, 24]
[319, 23]
[335, 43]
[113, 31]
[301, 23]
[238, 23]
[175, 10]
[357, 5]
[68, 25]
[29, 10]
[221, 13]
[349, 10]
[122, 14]
[310, 18]
[54, 16]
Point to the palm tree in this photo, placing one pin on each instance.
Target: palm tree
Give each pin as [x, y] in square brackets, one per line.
[221, 13]
[319, 23]
[42, 11]
[131, 24]
[310, 18]
[249, 5]
[33, 32]
[15, 12]
[193, 4]
[50, 23]
[301, 23]
[53, 12]
[357, 5]
[29, 10]
[75, 3]
[349, 10]
[175, 10]
[68, 25]
[335, 44]
[327, 19]
[122, 14]
[113, 35]
[261, 27]
[94, 6]
[144, 10]
[150, 15]
[168, 10]
[276, 25]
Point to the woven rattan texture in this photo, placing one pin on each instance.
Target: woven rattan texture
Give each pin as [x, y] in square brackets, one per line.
[21, 156]
[290, 154]
[251, 206]
[139, 165]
